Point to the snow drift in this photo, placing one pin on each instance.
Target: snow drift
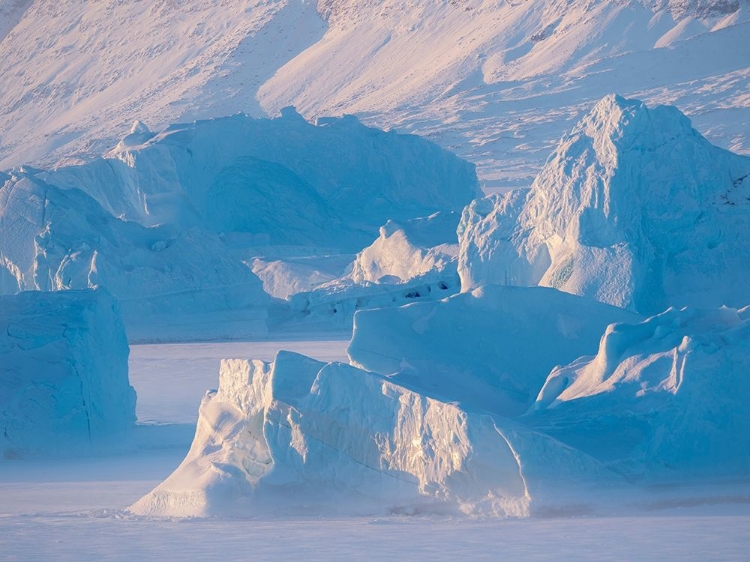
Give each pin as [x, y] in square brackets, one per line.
[280, 181]
[298, 434]
[634, 208]
[172, 283]
[663, 398]
[489, 349]
[63, 373]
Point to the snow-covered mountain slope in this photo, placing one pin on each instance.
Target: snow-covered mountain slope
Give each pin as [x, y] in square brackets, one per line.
[634, 208]
[63, 374]
[172, 283]
[81, 72]
[276, 181]
[496, 81]
[490, 349]
[298, 434]
[662, 398]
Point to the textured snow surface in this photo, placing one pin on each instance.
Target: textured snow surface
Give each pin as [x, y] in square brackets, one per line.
[280, 181]
[662, 398]
[496, 81]
[634, 208]
[172, 283]
[63, 374]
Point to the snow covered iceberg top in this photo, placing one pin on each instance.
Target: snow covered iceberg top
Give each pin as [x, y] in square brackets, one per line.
[665, 397]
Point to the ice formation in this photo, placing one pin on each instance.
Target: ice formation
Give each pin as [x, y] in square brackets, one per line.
[298, 434]
[172, 283]
[63, 373]
[663, 398]
[634, 208]
[336, 302]
[413, 260]
[280, 181]
[489, 349]
[410, 249]
[173, 223]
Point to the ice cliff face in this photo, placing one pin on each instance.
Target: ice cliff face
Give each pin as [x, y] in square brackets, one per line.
[63, 374]
[661, 398]
[634, 208]
[335, 438]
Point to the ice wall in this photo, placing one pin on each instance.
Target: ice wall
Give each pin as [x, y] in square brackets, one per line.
[63, 374]
[489, 349]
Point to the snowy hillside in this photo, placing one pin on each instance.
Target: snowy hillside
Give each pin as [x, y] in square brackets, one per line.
[634, 208]
[496, 81]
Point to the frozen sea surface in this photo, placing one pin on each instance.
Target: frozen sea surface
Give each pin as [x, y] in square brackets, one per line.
[73, 509]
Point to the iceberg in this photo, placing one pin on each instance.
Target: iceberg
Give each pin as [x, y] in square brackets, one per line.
[662, 399]
[299, 435]
[490, 349]
[63, 374]
[634, 208]
[410, 261]
[283, 181]
[172, 283]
